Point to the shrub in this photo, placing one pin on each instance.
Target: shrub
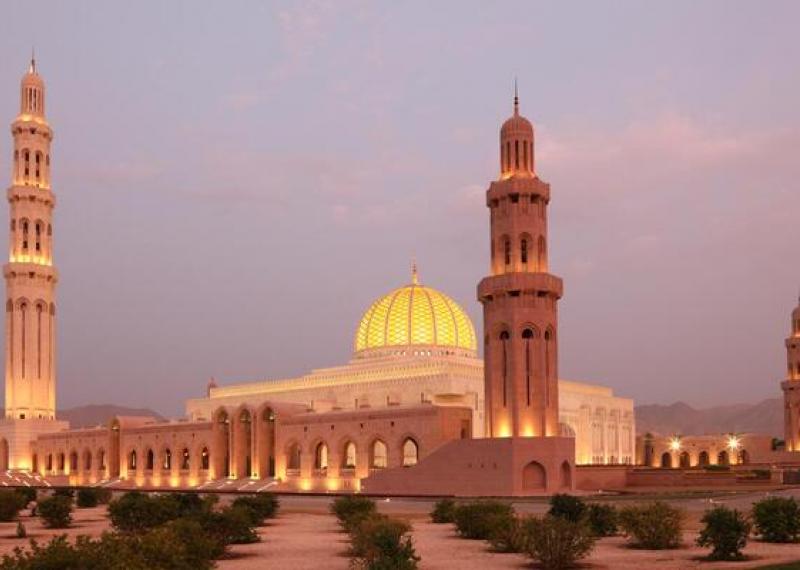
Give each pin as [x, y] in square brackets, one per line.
[602, 518]
[180, 544]
[351, 510]
[508, 534]
[22, 532]
[56, 511]
[27, 495]
[777, 519]
[11, 503]
[64, 492]
[231, 525]
[137, 512]
[259, 507]
[725, 531]
[567, 507]
[379, 542]
[443, 511]
[557, 542]
[656, 526]
[87, 498]
[103, 495]
[480, 519]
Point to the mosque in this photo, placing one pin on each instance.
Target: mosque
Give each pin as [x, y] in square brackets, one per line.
[414, 410]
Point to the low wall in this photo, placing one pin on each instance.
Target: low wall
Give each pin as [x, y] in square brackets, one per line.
[601, 477]
[499, 467]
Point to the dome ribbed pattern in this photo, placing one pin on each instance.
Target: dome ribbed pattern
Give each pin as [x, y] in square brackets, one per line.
[415, 315]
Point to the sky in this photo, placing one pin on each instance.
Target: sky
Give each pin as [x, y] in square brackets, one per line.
[238, 181]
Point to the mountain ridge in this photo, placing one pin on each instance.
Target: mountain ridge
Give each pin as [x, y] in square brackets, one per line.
[679, 417]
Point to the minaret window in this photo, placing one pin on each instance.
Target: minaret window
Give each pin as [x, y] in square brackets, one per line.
[507, 251]
[527, 336]
[516, 155]
[504, 344]
[23, 310]
[38, 166]
[508, 156]
[39, 340]
[525, 155]
[542, 261]
[25, 235]
[27, 158]
[523, 251]
[38, 229]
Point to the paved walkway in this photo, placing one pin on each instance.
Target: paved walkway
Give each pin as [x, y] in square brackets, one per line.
[293, 541]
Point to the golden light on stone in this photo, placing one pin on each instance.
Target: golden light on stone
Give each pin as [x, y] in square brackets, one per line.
[415, 315]
[675, 444]
[733, 442]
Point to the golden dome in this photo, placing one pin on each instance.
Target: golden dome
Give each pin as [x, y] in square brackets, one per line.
[415, 320]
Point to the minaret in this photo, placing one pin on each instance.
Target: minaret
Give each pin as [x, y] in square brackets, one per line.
[791, 386]
[30, 276]
[519, 296]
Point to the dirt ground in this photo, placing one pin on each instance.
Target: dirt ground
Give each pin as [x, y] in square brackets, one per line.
[305, 538]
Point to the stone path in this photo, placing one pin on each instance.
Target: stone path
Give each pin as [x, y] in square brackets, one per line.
[293, 541]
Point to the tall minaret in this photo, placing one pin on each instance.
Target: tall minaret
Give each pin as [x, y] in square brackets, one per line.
[519, 296]
[30, 276]
[791, 386]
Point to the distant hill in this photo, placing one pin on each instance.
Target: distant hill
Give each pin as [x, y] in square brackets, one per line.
[763, 417]
[94, 414]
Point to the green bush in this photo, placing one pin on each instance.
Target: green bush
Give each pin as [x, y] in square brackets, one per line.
[11, 503]
[602, 518]
[725, 531]
[259, 507]
[351, 510]
[103, 495]
[27, 495]
[557, 542]
[231, 525]
[717, 467]
[655, 526]
[87, 498]
[137, 512]
[180, 545]
[443, 511]
[22, 532]
[56, 511]
[567, 507]
[508, 534]
[379, 542]
[777, 519]
[479, 520]
[64, 492]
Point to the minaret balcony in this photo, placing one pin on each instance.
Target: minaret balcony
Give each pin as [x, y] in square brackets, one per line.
[31, 192]
[30, 270]
[519, 185]
[515, 283]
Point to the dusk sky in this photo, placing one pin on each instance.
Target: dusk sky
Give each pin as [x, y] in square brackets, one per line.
[238, 181]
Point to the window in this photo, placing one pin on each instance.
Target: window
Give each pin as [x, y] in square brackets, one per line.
[185, 459]
[204, 459]
[350, 455]
[73, 461]
[527, 336]
[25, 235]
[410, 452]
[150, 461]
[87, 460]
[321, 457]
[516, 155]
[379, 455]
[167, 465]
[132, 461]
[504, 344]
[523, 251]
[293, 457]
[507, 251]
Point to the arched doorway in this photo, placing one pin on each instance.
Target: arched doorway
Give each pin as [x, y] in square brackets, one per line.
[4, 454]
[685, 461]
[723, 458]
[221, 445]
[265, 442]
[566, 475]
[243, 444]
[744, 457]
[666, 459]
[702, 459]
[534, 477]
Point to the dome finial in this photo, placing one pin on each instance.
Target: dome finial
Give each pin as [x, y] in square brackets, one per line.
[32, 68]
[414, 274]
[516, 98]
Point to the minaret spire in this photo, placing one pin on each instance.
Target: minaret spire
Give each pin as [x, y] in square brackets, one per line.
[33, 60]
[414, 273]
[516, 98]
